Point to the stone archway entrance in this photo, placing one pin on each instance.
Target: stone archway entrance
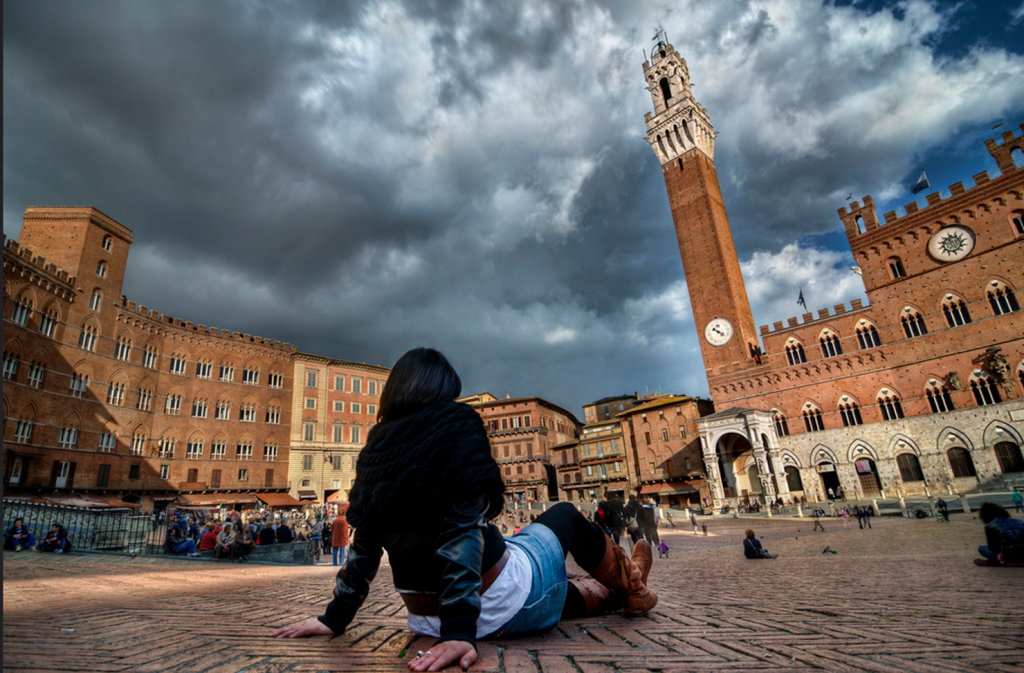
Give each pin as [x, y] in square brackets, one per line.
[829, 479]
[742, 457]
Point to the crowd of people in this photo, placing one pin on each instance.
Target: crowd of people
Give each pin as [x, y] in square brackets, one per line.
[236, 534]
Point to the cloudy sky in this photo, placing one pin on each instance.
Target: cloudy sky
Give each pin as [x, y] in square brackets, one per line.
[359, 178]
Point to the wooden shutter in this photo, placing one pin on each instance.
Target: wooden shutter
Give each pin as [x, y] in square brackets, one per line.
[54, 472]
[270, 478]
[215, 479]
[71, 475]
[103, 477]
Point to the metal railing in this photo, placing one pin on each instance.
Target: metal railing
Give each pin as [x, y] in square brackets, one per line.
[113, 529]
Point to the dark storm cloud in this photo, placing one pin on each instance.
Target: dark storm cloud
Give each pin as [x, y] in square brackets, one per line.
[361, 178]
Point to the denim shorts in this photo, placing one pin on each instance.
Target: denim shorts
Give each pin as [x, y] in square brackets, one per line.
[543, 607]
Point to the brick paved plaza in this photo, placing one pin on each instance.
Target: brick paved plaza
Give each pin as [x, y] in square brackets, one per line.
[901, 597]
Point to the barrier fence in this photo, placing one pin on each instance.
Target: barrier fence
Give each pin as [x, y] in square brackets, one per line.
[106, 529]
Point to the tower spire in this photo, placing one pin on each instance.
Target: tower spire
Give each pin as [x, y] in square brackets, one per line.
[680, 133]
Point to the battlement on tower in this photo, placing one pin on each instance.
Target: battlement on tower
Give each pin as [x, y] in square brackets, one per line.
[860, 219]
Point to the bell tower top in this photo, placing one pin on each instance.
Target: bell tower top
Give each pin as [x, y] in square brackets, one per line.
[679, 123]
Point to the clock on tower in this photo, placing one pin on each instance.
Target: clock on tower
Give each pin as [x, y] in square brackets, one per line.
[680, 133]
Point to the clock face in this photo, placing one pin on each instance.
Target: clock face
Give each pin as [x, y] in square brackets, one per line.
[718, 332]
[951, 244]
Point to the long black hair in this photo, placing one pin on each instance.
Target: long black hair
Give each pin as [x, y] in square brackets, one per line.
[990, 511]
[420, 378]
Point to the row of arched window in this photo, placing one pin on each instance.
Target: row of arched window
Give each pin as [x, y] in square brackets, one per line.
[178, 362]
[1008, 456]
[985, 389]
[1001, 300]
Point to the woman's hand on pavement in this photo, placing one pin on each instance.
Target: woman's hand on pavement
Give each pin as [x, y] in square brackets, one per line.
[445, 654]
[310, 627]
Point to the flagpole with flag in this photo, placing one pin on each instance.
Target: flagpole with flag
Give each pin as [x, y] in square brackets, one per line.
[800, 300]
[921, 184]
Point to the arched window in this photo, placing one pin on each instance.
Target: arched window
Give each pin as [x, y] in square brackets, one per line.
[1001, 298]
[955, 310]
[960, 462]
[106, 243]
[830, 347]
[938, 398]
[22, 312]
[913, 323]
[666, 91]
[867, 336]
[1017, 219]
[812, 419]
[1009, 456]
[850, 413]
[87, 338]
[793, 479]
[101, 269]
[781, 427]
[305, 483]
[94, 300]
[890, 405]
[985, 390]
[910, 467]
[896, 269]
[795, 354]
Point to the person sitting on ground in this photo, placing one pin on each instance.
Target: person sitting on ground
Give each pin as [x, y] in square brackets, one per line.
[193, 530]
[459, 578]
[244, 543]
[1004, 535]
[56, 540]
[267, 536]
[662, 549]
[208, 540]
[284, 533]
[18, 537]
[177, 543]
[943, 510]
[225, 543]
[752, 547]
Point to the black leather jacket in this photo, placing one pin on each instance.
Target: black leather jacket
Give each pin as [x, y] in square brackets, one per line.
[447, 553]
[1005, 536]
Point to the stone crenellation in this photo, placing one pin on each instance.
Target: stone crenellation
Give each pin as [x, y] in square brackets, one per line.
[808, 318]
[860, 219]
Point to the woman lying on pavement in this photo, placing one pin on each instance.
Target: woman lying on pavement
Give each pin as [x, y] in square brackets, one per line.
[459, 578]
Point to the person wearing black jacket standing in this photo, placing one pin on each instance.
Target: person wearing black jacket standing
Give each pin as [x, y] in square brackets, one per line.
[459, 577]
[649, 522]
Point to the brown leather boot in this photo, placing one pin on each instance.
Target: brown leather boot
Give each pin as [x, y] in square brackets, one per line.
[643, 557]
[626, 578]
[598, 598]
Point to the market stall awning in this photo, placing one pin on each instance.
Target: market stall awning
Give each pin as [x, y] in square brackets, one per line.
[214, 499]
[337, 498]
[673, 487]
[616, 486]
[651, 489]
[308, 495]
[114, 501]
[279, 500]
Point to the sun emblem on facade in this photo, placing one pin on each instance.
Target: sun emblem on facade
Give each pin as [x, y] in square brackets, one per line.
[951, 243]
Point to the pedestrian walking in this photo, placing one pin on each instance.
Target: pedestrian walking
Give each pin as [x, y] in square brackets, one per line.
[693, 520]
[1018, 500]
[868, 513]
[818, 513]
[705, 527]
[860, 517]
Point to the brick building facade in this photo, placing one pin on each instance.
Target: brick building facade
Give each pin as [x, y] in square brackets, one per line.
[522, 432]
[105, 397]
[917, 391]
[335, 406]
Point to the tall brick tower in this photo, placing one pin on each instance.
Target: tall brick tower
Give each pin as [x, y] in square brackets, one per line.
[682, 137]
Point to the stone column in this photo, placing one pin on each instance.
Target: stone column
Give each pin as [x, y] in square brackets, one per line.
[714, 479]
[764, 474]
[903, 507]
[799, 511]
[780, 475]
[963, 502]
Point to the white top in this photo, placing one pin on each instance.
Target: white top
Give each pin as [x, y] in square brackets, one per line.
[498, 605]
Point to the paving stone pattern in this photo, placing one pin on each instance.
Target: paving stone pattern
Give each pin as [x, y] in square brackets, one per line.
[903, 596]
